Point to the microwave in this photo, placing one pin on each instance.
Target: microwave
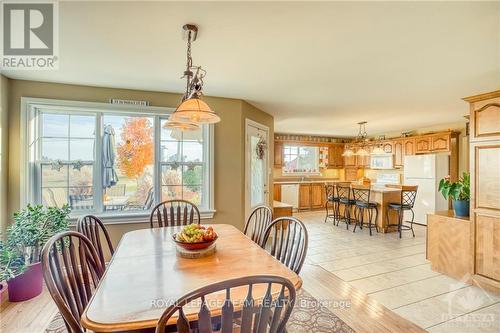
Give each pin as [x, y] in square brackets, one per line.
[382, 161]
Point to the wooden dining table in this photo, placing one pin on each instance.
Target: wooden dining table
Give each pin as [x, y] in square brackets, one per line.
[146, 275]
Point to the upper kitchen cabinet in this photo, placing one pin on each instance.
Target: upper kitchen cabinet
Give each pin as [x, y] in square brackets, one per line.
[422, 144]
[485, 115]
[440, 142]
[335, 158]
[409, 146]
[278, 154]
[398, 148]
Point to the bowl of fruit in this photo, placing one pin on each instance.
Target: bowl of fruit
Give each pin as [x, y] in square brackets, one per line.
[195, 237]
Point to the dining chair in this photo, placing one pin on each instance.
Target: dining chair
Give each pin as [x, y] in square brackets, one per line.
[257, 223]
[92, 227]
[268, 315]
[174, 213]
[71, 270]
[288, 241]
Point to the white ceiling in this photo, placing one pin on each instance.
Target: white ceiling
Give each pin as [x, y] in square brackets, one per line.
[319, 68]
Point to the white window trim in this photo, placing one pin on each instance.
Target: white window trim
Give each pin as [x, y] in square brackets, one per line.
[28, 104]
[295, 174]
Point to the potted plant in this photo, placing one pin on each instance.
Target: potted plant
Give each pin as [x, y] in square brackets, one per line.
[20, 254]
[459, 192]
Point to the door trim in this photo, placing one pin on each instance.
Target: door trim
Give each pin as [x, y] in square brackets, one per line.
[250, 122]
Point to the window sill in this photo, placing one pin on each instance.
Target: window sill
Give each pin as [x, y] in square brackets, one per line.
[142, 217]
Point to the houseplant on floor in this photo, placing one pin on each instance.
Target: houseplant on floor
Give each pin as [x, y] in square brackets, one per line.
[20, 254]
[459, 192]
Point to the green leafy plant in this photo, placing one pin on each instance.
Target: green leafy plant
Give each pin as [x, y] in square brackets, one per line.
[459, 190]
[32, 227]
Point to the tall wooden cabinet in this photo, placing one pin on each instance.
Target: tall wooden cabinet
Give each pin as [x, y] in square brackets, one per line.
[485, 188]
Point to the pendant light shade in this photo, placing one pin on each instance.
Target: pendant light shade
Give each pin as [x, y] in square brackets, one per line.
[378, 151]
[195, 110]
[181, 125]
[348, 152]
[362, 152]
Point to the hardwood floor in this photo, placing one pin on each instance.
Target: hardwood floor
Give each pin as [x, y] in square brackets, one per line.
[31, 316]
[393, 272]
[374, 284]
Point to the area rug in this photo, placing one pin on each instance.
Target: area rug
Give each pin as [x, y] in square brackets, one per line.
[314, 319]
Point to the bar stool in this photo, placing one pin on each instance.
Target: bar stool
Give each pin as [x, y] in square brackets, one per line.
[345, 199]
[361, 195]
[407, 201]
[331, 203]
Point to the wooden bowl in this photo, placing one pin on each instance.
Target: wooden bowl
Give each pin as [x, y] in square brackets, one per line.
[194, 246]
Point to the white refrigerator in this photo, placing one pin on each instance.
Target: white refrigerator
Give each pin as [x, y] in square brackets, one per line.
[426, 171]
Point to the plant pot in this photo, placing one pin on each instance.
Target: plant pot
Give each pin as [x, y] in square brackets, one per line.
[461, 207]
[27, 285]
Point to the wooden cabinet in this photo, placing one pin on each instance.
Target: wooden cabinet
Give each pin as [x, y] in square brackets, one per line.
[312, 196]
[485, 188]
[350, 161]
[422, 144]
[409, 146]
[278, 154]
[305, 196]
[335, 158]
[277, 192]
[317, 195]
[440, 142]
[398, 153]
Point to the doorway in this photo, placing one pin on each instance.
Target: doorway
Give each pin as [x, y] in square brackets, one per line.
[256, 166]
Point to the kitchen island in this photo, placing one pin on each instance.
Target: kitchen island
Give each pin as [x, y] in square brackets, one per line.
[311, 194]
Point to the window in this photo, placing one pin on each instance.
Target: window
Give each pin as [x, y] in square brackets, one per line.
[109, 161]
[300, 160]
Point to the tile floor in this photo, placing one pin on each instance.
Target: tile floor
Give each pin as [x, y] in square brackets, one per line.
[395, 272]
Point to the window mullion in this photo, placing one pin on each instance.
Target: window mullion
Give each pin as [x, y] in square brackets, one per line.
[157, 163]
[97, 181]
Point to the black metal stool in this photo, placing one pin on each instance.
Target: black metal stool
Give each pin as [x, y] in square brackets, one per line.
[361, 195]
[331, 204]
[408, 196]
[345, 199]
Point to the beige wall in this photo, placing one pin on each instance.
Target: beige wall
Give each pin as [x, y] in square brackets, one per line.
[4, 151]
[228, 146]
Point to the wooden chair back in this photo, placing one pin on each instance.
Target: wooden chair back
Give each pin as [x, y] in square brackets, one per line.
[288, 242]
[174, 213]
[71, 270]
[92, 227]
[257, 222]
[268, 315]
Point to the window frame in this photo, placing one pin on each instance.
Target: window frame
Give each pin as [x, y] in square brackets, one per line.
[29, 131]
[298, 146]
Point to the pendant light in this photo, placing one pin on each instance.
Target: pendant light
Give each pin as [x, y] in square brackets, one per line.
[192, 112]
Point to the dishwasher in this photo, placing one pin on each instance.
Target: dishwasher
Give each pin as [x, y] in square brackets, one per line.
[290, 195]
